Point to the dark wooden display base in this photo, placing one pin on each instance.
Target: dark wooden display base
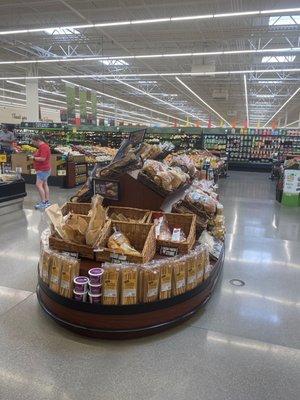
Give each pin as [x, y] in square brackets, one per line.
[126, 322]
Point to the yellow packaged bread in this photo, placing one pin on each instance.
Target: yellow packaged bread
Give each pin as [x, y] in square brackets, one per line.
[150, 275]
[179, 276]
[165, 289]
[110, 284]
[129, 284]
[55, 274]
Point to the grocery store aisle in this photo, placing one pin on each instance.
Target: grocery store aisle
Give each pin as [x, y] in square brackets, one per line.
[244, 344]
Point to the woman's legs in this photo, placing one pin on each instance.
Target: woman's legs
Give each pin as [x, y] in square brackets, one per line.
[40, 187]
[46, 190]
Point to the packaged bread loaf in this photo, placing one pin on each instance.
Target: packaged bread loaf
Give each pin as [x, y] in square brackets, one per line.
[149, 279]
[165, 289]
[191, 271]
[110, 284]
[70, 269]
[179, 276]
[45, 265]
[129, 284]
[202, 260]
[55, 273]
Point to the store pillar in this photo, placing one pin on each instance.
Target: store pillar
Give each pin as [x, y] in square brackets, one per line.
[32, 100]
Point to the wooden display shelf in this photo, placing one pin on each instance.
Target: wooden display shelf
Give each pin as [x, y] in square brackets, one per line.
[126, 322]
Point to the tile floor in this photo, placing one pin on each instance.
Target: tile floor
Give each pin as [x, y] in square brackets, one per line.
[245, 343]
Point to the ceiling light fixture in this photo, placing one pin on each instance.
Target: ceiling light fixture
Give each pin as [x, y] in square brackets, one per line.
[152, 74]
[120, 60]
[246, 99]
[204, 102]
[288, 100]
[153, 20]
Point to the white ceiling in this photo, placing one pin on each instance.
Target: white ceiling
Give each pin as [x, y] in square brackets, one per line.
[224, 93]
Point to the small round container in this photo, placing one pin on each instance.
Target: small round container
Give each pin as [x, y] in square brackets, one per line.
[81, 284]
[95, 275]
[80, 296]
[95, 289]
[94, 298]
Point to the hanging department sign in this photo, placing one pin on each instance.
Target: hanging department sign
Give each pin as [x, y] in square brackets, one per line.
[70, 94]
[82, 106]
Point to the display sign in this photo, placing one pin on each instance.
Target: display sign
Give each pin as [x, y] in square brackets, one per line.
[137, 136]
[168, 251]
[291, 181]
[82, 106]
[50, 125]
[70, 94]
[107, 188]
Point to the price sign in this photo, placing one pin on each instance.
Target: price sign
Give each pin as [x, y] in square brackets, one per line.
[3, 158]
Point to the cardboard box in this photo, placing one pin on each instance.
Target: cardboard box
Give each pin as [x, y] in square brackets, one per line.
[20, 160]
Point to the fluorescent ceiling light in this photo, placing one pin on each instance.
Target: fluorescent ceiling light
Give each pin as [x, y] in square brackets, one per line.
[267, 81]
[120, 60]
[204, 102]
[278, 59]
[246, 99]
[288, 100]
[114, 62]
[62, 31]
[152, 74]
[153, 20]
[285, 20]
[147, 82]
[264, 96]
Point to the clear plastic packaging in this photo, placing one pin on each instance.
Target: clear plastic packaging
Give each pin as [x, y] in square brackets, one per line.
[129, 284]
[149, 282]
[111, 284]
[179, 276]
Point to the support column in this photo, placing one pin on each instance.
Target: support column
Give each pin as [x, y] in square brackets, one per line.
[32, 99]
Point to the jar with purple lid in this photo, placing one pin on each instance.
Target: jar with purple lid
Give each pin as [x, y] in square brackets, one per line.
[95, 275]
[94, 298]
[80, 296]
[81, 284]
[95, 289]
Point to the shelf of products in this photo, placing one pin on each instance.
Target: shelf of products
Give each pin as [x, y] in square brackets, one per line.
[136, 270]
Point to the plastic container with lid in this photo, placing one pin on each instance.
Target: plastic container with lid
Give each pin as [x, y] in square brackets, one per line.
[95, 275]
[81, 284]
[95, 298]
[80, 296]
[95, 289]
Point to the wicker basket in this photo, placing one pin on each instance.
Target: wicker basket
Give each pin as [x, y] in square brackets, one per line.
[141, 237]
[187, 222]
[83, 250]
[137, 215]
[76, 208]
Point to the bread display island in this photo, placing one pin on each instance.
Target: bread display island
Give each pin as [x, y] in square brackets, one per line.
[137, 250]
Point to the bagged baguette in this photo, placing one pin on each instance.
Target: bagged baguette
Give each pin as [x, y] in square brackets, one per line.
[98, 218]
[55, 273]
[129, 284]
[166, 269]
[110, 284]
[150, 277]
[70, 269]
[45, 265]
[191, 271]
[179, 276]
[201, 260]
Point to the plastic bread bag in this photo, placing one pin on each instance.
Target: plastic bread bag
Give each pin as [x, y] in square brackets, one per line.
[70, 269]
[166, 271]
[201, 261]
[45, 263]
[129, 284]
[179, 275]
[164, 179]
[55, 273]
[149, 281]
[111, 284]
[120, 243]
[191, 270]
[162, 229]
[152, 167]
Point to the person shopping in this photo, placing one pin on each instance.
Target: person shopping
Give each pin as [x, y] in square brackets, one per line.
[42, 165]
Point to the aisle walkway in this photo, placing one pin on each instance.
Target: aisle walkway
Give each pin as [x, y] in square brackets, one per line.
[244, 345]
